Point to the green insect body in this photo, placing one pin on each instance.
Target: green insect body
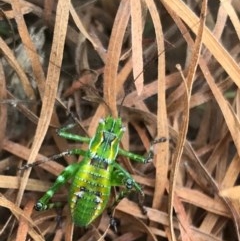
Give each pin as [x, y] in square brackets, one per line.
[94, 176]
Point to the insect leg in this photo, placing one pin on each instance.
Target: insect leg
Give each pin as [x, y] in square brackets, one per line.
[55, 157]
[63, 132]
[121, 177]
[65, 175]
[139, 158]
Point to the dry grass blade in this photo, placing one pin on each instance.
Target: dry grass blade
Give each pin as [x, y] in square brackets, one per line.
[29, 46]
[81, 27]
[13, 183]
[19, 213]
[13, 62]
[229, 115]
[161, 163]
[221, 55]
[113, 56]
[3, 109]
[23, 225]
[136, 9]
[50, 89]
[23, 152]
[233, 16]
[188, 83]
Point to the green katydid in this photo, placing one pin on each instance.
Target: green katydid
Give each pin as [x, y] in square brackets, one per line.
[96, 174]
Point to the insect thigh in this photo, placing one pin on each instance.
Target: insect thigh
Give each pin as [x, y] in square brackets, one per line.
[66, 174]
[120, 177]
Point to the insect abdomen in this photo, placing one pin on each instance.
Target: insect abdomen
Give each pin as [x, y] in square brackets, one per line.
[89, 194]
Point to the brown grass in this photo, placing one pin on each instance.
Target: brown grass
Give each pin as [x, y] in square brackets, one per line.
[176, 67]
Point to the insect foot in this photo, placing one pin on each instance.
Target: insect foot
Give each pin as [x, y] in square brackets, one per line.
[161, 139]
[114, 224]
[39, 206]
[27, 166]
[150, 155]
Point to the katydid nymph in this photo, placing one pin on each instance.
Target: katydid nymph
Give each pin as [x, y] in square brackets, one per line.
[96, 174]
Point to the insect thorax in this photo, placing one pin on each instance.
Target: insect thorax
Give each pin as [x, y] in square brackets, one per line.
[104, 145]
